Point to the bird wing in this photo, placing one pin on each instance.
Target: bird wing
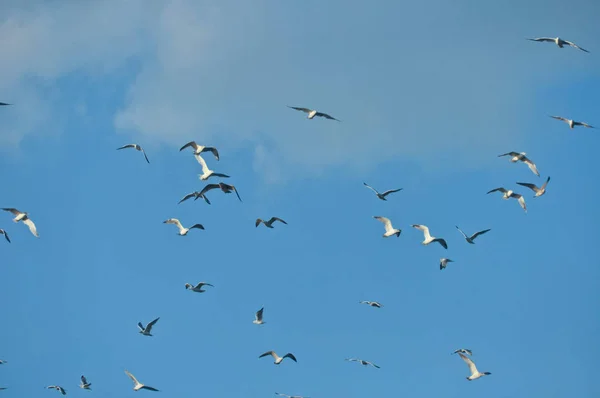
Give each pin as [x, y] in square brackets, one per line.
[542, 39]
[543, 186]
[424, 229]
[531, 166]
[468, 351]
[258, 221]
[145, 156]
[389, 191]
[219, 175]
[127, 146]
[189, 144]
[583, 124]
[271, 353]
[283, 395]
[575, 45]
[386, 223]
[199, 226]
[148, 388]
[290, 356]
[208, 187]
[509, 154]
[189, 195]
[237, 193]
[31, 226]
[213, 150]
[259, 314]
[559, 118]
[83, 380]
[326, 116]
[498, 189]
[460, 230]
[441, 242]
[273, 219]
[372, 364]
[305, 110]
[521, 200]
[174, 221]
[370, 187]
[3, 232]
[469, 363]
[533, 187]
[476, 234]
[141, 326]
[132, 377]
[202, 162]
[149, 326]
[12, 210]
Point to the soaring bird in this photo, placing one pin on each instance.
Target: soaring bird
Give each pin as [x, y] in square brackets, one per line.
[137, 148]
[277, 358]
[182, 231]
[507, 194]
[382, 195]
[84, 383]
[268, 224]
[534, 188]
[471, 238]
[428, 237]
[312, 113]
[362, 362]
[258, 317]
[198, 149]
[58, 388]
[3, 232]
[137, 385]
[516, 156]
[195, 195]
[475, 374]
[290, 396]
[206, 172]
[224, 187]
[572, 123]
[146, 331]
[198, 287]
[389, 229]
[372, 303]
[22, 216]
[444, 262]
[463, 351]
[558, 41]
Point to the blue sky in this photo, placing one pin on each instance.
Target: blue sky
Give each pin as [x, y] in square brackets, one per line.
[429, 93]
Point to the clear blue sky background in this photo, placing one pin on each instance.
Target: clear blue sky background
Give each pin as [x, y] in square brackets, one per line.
[429, 93]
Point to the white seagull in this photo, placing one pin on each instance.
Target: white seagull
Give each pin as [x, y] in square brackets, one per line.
[572, 123]
[516, 156]
[463, 351]
[84, 383]
[362, 362]
[137, 385]
[389, 229]
[137, 148]
[22, 216]
[182, 231]
[475, 374]
[3, 232]
[534, 188]
[312, 113]
[198, 287]
[558, 41]
[198, 149]
[258, 317]
[195, 195]
[290, 396]
[507, 194]
[277, 358]
[224, 187]
[269, 223]
[58, 388]
[382, 195]
[428, 237]
[444, 262]
[371, 303]
[206, 172]
[471, 238]
[146, 331]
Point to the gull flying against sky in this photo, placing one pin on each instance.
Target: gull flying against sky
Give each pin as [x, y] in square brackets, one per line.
[277, 358]
[516, 156]
[206, 172]
[471, 238]
[198, 149]
[268, 224]
[572, 123]
[389, 229]
[23, 217]
[198, 287]
[195, 195]
[463, 351]
[226, 188]
[146, 331]
[137, 385]
[558, 41]
[382, 195]
[372, 303]
[258, 317]
[312, 113]
[475, 374]
[3, 232]
[182, 231]
[428, 237]
[58, 388]
[507, 194]
[534, 188]
[362, 362]
[137, 148]
[84, 383]
[444, 262]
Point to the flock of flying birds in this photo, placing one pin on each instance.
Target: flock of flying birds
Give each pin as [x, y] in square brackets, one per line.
[198, 150]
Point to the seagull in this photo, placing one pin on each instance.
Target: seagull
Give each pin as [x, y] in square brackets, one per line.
[471, 238]
[198, 149]
[224, 187]
[507, 194]
[58, 388]
[268, 224]
[572, 123]
[195, 195]
[534, 188]
[137, 148]
[3, 232]
[182, 231]
[429, 238]
[258, 317]
[137, 385]
[198, 287]
[84, 383]
[515, 157]
[312, 113]
[389, 229]
[22, 216]
[475, 374]
[558, 41]
[291, 396]
[365, 363]
[206, 172]
[382, 195]
[278, 359]
[372, 303]
[444, 262]
[463, 351]
[146, 330]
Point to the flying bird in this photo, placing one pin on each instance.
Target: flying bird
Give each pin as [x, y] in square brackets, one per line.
[137, 385]
[146, 330]
[558, 41]
[444, 262]
[471, 238]
[389, 229]
[182, 231]
[258, 317]
[428, 237]
[198, 149]
[84, 383]
[507, 194]
[198, 287]
[268, 224]
[137, 148]
[534, 188]
[312, 113]
[22, 216]
[572, 123]
[58, 388]
[463, 351]
[206, 172]
[372, 303]
[382, 195]
[516, 156]
[290, 396]
[195, 195]
[224, 187]
[475, 374]
[277, 358]
[3, 232]
[362, 362]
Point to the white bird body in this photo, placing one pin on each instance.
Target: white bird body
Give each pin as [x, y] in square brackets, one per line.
[444, 262]
[137, 385]
[534, 188]
[146, 331]
[362, 362]
[206, 172]
[559, 42]
[516, 157]
[84, 383]
[277, 358]
[389, 229]
[198, 287]
[182, 231]
[428, 238]
[258, 317]
[24, 218]
[507, 194]
[572, 123]
[471, 238]
[475, 374]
